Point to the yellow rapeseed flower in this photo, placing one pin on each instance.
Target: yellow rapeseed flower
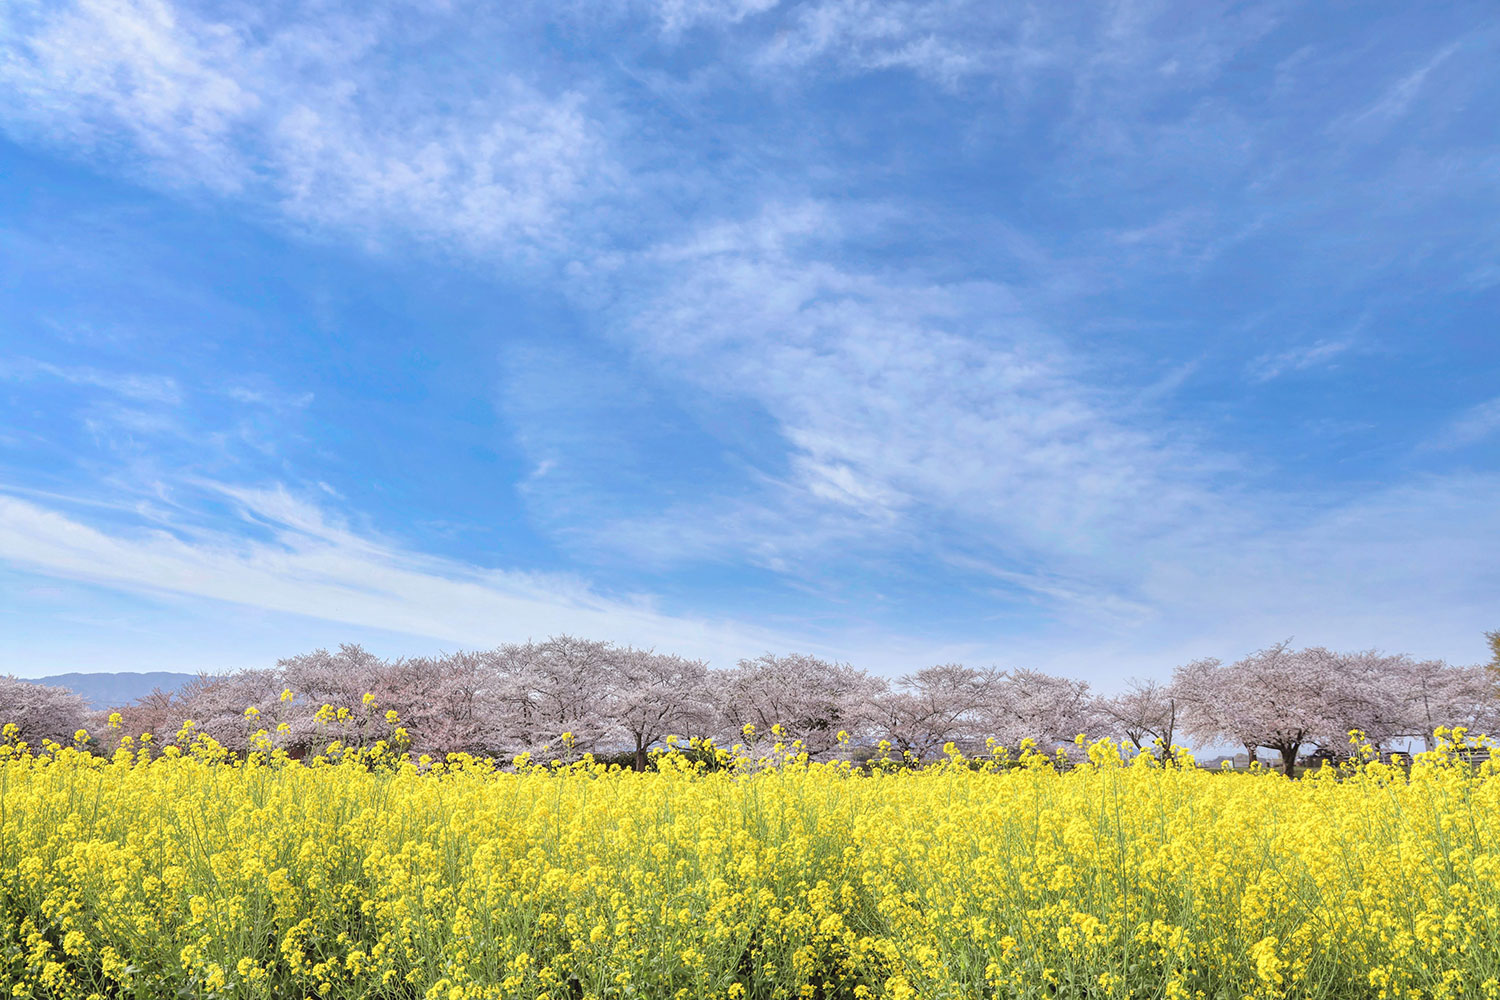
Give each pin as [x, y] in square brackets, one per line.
[366, 872]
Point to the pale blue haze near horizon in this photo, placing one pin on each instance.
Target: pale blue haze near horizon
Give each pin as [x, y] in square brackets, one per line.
[1093, 338]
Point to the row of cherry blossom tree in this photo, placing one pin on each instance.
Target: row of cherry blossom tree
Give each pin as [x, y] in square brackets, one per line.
[575, 695]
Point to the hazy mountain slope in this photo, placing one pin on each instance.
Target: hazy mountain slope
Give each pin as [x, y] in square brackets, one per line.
[113, 690]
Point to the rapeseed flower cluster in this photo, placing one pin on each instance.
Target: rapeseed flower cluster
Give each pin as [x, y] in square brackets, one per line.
[178, 870]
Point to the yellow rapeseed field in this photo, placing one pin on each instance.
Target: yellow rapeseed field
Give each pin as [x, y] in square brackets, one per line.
[163, 872]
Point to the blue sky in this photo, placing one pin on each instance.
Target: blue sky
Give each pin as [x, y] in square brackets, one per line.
[1092, 338]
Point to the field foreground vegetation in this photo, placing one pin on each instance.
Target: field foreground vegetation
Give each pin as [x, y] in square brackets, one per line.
[182, 872]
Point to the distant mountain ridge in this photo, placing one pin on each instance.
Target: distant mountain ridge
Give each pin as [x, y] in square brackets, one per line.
[103, 691]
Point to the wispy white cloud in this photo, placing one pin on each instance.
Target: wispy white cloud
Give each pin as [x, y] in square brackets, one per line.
[895, 393]
[1477, 424]
[1398, 98]
[1408, 567]
[863, 35]
[1404, 568]
[301, 116]
[1411, 566]
[907, 405]
[917, 411]
[310, 563]
[137, 387]
[677, 16]
[99, 72]
[1319, 354]
[1109, 54]
[268, 397]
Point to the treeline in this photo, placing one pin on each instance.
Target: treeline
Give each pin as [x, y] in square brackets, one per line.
[568, 696]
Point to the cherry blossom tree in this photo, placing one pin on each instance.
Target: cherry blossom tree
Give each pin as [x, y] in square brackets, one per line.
[1042, 707]
[339, 679]
[1276, 698]
[1354, 696]
[1145, 712]
[653, 695]
[1428, 694]
[936, 705]
[527, 696]
[154, 713]
[555, 687]
[217, 705]
[1388, 697]
[447, 703]
[812, 699]
[41, 711]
